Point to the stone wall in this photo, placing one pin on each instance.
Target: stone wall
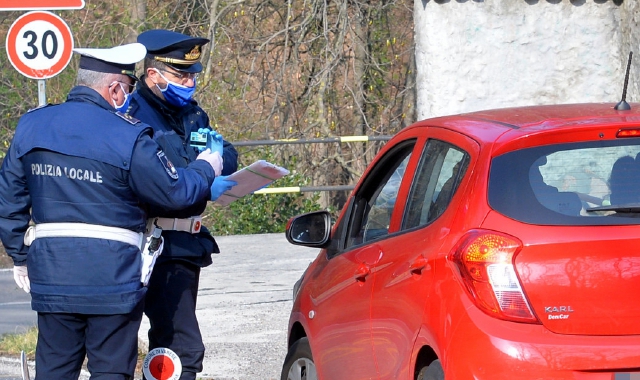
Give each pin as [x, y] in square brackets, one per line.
[630, 40]
[479, 54]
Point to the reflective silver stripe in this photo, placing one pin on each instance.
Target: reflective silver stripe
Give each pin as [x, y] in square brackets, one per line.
[191, 225]
[84, 230]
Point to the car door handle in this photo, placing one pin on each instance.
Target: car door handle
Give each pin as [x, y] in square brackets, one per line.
[418, 265]
[362, 272]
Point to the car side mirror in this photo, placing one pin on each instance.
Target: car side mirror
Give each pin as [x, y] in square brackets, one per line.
[311, 230]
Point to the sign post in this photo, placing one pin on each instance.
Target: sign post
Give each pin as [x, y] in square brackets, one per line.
[39, 45]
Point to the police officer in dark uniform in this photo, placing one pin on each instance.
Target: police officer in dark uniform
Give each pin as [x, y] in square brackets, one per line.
[164, 100]
[80, 171]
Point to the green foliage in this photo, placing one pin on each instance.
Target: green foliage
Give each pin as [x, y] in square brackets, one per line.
[262, 213]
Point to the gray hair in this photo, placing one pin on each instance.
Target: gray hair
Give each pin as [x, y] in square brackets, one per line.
[95, 79]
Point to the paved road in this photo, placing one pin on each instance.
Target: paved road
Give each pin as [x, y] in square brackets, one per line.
[243, 307]
[15, 306]
[16, 317]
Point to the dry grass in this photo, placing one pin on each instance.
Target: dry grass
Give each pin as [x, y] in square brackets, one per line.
[12, 344]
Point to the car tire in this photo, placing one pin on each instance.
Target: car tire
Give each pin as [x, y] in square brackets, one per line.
[432, 372]
[298, 364]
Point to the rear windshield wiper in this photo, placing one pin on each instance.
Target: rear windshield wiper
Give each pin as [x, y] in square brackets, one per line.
[622, 209]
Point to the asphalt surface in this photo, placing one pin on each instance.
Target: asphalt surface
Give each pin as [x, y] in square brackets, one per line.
[243, 307]
[15, 306]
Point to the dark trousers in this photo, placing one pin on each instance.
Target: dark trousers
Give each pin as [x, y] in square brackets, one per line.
[110, 343]
[170, 304]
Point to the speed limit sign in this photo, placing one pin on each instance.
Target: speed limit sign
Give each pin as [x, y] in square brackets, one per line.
[39, 45]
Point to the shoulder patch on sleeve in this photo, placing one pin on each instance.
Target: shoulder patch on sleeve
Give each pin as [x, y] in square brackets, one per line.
[128, 118]
[168, 166]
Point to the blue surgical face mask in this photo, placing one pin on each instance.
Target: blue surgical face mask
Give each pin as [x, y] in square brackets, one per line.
[177, 94]
[125, 104]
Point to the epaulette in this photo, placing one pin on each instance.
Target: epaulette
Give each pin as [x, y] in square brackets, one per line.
[130, 119]
[39, 107]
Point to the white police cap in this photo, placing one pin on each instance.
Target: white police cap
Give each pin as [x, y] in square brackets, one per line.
[116, 60]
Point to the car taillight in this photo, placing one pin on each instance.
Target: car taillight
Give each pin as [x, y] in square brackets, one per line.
[631, 132]
[485, 263]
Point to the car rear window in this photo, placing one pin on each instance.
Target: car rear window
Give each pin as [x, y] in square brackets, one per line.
[585, 183]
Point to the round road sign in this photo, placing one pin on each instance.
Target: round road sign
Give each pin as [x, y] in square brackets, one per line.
[39, 45]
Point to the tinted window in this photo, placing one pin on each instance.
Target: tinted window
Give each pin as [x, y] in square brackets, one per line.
[375, 200]
[440, 171]
[569, 184]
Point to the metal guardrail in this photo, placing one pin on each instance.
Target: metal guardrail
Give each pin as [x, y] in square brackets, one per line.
[343, 139]
[307, 189]
[303, 189]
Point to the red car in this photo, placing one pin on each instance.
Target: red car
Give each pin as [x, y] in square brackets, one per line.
[501, 244]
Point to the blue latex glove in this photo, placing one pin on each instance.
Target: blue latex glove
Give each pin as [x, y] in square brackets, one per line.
[214, 140]
[220, 185]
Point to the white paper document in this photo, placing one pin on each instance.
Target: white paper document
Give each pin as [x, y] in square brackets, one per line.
[251, 178]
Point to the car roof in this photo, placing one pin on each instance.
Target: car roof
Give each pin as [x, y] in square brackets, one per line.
[488, 125]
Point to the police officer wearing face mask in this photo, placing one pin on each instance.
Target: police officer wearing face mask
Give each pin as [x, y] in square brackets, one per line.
[164, 100]
[80, 171]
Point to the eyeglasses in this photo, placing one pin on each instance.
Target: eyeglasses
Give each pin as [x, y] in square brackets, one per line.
[129, 89]
[182, 76]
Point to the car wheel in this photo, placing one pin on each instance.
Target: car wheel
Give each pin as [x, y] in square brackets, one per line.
[432, 372]
[298, 364]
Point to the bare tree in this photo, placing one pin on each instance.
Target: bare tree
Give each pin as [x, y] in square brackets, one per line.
[274, 70]
[308, 69]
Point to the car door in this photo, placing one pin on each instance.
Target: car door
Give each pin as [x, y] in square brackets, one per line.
[405, 272]
[342, 282]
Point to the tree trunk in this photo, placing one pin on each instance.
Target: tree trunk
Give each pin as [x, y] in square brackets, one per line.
[137, 14]
[207, 54]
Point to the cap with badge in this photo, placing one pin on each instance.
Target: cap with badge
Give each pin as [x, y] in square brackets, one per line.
[116, 60]
[177, 50]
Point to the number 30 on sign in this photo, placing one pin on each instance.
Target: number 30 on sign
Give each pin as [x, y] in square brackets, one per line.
[39, 45]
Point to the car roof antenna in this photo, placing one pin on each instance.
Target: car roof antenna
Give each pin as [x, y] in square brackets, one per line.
[623, 105]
